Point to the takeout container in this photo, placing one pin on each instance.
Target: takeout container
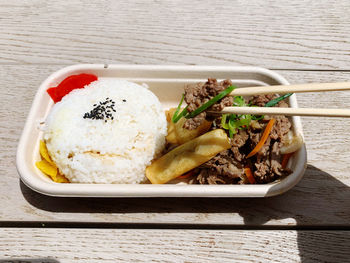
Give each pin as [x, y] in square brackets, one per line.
[167, 82]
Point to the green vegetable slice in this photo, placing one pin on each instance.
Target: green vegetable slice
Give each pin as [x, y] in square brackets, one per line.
[239, 101]
[223, 121]
[277, 100]
[183, 113]
[257, 118]
[176, 117]
[245, 120]
[210, 102]
[232, 125]
[233, 122]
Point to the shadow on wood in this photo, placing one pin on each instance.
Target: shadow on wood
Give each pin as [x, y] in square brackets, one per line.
[315, 201]
[318, 202]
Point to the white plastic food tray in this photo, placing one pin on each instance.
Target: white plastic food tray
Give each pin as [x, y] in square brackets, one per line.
[167, 82]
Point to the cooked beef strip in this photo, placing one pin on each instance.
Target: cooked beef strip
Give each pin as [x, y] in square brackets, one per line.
[227, 166]
[200, 93]
[275, 158]
[261, 100]
[207, 176]
[239, 139]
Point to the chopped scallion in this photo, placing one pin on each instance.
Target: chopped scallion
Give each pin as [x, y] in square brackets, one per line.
[244, 120]
[232, 126]
[239, 101]
[257, 118]
[182, 114]
[210, 102]
[176, 117]
[273, 102]
[223, 121]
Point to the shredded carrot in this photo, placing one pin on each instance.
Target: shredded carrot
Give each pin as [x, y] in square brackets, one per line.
[285, 159]
[186, 175]
[249, 175]
[263, 138]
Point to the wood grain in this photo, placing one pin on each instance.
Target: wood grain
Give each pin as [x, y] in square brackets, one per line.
[39, 37]
[320, 199]
[128, 245]
[274, 34]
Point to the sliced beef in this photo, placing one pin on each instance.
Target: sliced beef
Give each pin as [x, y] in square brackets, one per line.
[224, 163]
[227, 167]
[239, 139]
[282, 124]
[207, 176]
[195, 122]
[275, 159]
[200, 93]
[261, 100]
[280, 128]
[268, 160]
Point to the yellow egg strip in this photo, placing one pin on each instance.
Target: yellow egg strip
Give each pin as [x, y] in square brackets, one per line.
[45, 153]
[48, 167]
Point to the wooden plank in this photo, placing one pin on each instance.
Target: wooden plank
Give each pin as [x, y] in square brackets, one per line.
[321, 198]
[128, 245]
[279, 34]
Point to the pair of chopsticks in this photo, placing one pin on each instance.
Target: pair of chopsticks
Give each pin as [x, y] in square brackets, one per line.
[281, 89]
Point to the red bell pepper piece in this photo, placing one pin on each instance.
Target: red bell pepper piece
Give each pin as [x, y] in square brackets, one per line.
[70, 83]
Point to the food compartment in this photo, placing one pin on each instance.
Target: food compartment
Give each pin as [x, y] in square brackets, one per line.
[167, 83]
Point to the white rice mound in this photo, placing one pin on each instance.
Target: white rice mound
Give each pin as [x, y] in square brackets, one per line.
[116, 151]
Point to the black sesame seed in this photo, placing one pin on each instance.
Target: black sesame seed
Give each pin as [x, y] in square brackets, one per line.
[101, 111]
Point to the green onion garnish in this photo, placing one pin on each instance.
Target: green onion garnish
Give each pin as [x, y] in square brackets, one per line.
[182, 114]
[223, 121]
[176, 117]
[257, 118]
[239, 101]
[232, 125]
[277, 100]
[210, 102]
[245, 120]
[236, 122]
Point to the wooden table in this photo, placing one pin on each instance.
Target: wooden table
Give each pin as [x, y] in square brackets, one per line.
[305, 41]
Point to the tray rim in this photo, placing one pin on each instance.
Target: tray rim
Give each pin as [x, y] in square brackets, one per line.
[168, 190]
